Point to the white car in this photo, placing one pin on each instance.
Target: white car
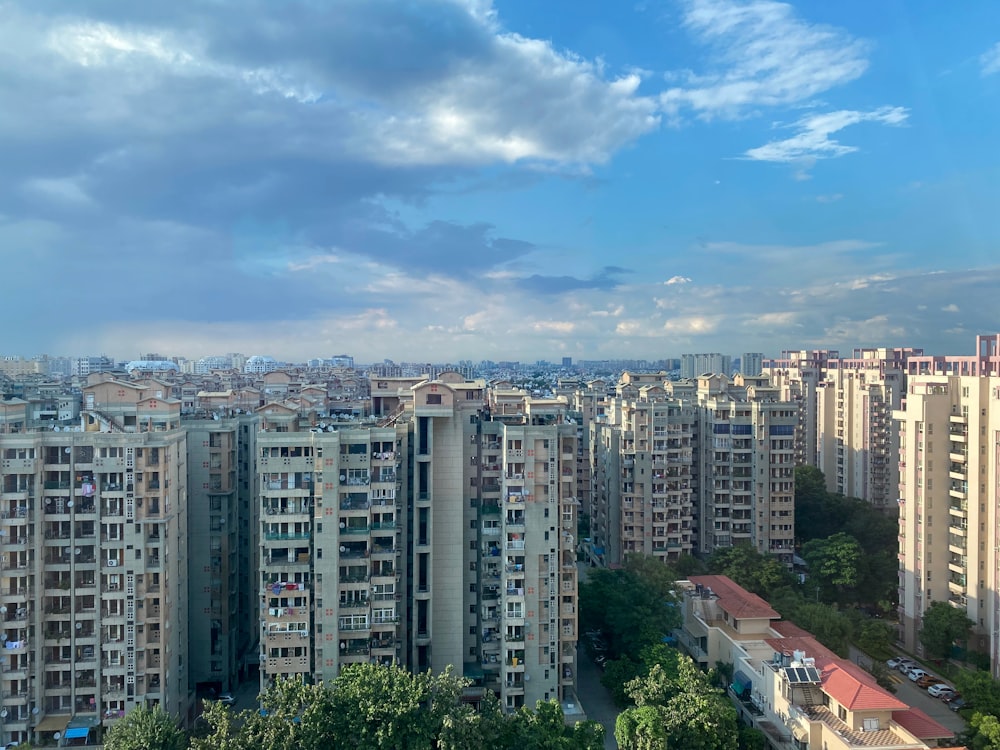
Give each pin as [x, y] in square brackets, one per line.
[895, 661]
[916, 673]
[941, 690]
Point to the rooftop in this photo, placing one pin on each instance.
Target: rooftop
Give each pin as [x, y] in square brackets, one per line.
[735, 600]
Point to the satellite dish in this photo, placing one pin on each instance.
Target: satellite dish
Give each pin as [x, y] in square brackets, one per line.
[69, 504]
[3, 610]
[68, 451]
[79, 626]
[57, 428]
[35, 711]
[343, 549]
[78, 550]
[56, 735]
[3, 713]
[343, 644]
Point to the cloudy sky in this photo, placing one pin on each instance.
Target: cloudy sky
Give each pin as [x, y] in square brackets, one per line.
[466, 179]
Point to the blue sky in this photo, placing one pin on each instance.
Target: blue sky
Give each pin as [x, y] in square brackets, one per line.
[467, 179]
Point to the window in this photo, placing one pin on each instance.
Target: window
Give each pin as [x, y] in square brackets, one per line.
[433, 398]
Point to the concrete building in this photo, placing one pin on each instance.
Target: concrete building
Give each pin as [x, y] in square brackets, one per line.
[786, 684]
[693, 365]
[948, 525]
[752, 363]
[846, 406]
[691, 467]
[746, 467]
[93, 565]
[441, 535]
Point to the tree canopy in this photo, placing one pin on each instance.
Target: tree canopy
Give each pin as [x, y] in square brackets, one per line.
[145, 728]
[373, 707]
[942, 626]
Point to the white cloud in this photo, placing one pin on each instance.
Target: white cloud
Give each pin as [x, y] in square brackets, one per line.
[693, 324]
[831, 198]
[766, 55]
[677, 280]
[990, 60]
[952, 308]
[67, 190]
[812, 141]
[772, 320]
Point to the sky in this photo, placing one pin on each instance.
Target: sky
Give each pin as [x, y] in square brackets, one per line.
[466, 179]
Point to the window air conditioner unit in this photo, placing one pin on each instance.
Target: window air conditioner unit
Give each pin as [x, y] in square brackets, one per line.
[112, 562]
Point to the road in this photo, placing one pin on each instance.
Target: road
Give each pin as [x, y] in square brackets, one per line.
[909, 693]
[594, 697]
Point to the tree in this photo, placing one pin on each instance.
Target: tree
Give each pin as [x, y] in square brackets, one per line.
[756, 572]
[632, 609]
[875, 639]
[983, 732]
[880, 672]
[751, 739]
[677, 712]
[833, 563]
[980, 690]
[145, 728]
[941, 628]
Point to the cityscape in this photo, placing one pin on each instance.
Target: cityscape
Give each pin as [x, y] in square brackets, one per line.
[175, 529]
[479, 373]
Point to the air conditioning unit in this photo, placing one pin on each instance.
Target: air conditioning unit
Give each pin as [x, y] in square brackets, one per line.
[112, 562]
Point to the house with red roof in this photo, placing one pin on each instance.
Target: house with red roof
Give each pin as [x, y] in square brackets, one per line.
[796, 691]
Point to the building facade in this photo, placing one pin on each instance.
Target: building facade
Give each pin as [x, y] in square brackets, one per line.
[93, 558]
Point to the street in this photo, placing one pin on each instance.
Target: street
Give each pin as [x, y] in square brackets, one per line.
[909, 693]
[594, 698]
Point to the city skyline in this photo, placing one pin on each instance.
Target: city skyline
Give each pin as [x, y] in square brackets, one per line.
[497, 180]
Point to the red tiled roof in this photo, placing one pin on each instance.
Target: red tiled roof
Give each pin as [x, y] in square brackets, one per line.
[920, 725]
[734, 599]
[789, 629]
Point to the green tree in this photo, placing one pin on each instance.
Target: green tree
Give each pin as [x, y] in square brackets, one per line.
[880, 672]
[617, 674]
[145, 728]
[756, 572]
[980, 690]
[983, 732]
[943, 626]
[677, 712]
[632, 610]
[751, 739]
[875, 638]
[829, 625]
[833, 563]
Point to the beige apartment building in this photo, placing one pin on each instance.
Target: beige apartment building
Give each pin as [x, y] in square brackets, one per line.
[93, 565]
[845, 425]
[440, 535]
[693, 466]
[948, 525]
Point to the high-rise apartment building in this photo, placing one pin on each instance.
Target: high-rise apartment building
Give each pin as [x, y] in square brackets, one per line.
[93, 565]
[949, 533]
[693, 467]
[693, 365]
[752, 363]
[845, 418]
[746, 467]
[443, 536]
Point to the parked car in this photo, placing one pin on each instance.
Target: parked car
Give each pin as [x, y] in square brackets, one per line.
[896, 661]
[928, 681]
[956, 703]
[915, 673]
[941, 691]
[601, 661]
[227, 699]
[904, 665]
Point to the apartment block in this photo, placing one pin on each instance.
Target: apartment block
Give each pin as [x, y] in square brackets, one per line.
[846, 405]
[746, 467]
[330, 528]
[752, 363]
[948, 525]
[93, 565]
[221, 506]
[786, 684]
[693, 365]
[691, 467]
[643, 468]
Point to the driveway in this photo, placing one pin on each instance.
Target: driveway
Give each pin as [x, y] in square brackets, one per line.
[594, 697]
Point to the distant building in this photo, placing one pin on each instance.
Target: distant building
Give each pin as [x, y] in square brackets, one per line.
[567, 361]
[259, 364]
[693, 365]
[752, 363]
[88, 365]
